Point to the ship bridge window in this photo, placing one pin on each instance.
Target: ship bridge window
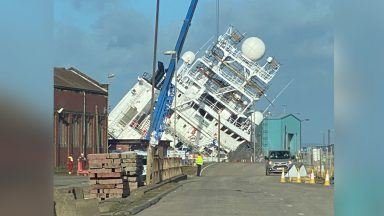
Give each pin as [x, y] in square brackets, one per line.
[228, 132]
[220, 106]
[209, 117]
[210, 98]
[202, 112]
[195, 106]
[234, 136]
[142, 117]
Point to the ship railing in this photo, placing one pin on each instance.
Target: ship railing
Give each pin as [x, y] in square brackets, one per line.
[264, 75]
[251, 93]
[185, 140]
[210, 104]
[147, 77]
[242, 126]
[217, 94]
[225, 89]
[141, 127]
[145, 123]
[194, 77]
[234, 79]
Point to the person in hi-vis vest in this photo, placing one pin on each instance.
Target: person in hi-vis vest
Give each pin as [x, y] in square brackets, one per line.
[199, 163]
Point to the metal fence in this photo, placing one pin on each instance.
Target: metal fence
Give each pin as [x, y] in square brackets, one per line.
[318, 158]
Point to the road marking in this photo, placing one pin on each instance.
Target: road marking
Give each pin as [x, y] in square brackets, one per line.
[201, 172]
[300, 213]
[289, 205]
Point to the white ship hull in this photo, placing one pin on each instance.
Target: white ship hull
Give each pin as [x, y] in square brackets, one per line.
[221, 82]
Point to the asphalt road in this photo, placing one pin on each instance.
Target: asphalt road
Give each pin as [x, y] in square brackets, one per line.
[243, 189]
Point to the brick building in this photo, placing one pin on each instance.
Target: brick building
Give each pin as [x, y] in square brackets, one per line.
[80, 115]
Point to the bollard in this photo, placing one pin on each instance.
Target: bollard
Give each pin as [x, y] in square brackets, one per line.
[312, 181]
[298, 179]
[282, 178]
[326, 182]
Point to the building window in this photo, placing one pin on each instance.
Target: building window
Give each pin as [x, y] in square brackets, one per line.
[76, 131]
[62, 131]
[89, 134]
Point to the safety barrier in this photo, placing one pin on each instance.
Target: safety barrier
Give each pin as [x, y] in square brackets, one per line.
[166, 168]
[304, 175]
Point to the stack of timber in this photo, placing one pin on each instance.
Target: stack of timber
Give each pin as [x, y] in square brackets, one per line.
[114, 175]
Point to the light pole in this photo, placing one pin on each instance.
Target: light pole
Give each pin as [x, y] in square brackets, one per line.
[173, 53]
[150, 148]
[109, 77]
[301, 132]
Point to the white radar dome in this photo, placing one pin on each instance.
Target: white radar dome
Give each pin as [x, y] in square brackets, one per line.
[257, 117]
[188, 57]
[253, 48]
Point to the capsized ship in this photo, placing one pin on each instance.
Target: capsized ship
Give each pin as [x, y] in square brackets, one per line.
[227, 79]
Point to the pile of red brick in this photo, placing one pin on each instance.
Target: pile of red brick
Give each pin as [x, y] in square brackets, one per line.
[114, 175]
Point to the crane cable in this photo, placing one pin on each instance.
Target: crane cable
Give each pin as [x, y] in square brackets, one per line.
[217, 19]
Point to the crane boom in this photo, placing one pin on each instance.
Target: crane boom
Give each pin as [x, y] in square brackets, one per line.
[167, 90]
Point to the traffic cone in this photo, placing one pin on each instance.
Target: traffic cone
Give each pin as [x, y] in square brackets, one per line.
[326, 182]
[312, 181]
[282, 178]
[298, 179]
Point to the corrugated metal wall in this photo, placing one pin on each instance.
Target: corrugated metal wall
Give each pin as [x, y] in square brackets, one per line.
[280, 134]
[70, 135]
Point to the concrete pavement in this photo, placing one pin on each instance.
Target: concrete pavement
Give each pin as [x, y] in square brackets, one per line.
[243, 189]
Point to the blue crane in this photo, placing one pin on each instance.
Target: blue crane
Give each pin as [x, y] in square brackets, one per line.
[167, 90]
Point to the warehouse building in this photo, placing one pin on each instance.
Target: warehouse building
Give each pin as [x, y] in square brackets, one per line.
[80, 115]
[280, 132]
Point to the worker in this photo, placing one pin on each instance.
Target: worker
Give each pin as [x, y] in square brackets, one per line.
[81, 164]
[199, 163]
[70, 164]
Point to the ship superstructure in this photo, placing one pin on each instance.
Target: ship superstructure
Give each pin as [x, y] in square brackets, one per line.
[224, 81]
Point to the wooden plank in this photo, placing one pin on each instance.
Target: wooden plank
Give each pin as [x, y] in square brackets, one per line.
[116, 191]
[95, 165]
[104, 186]
[109, 181]
[130, 160]
[105, 170]
[105, 160]
[129, 165]
[114, 155]
[131, 169]
[108, 175]
[96, 156]
[131, 155]
[111, 166]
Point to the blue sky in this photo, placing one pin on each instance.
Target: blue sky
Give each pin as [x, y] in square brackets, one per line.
[115, 36]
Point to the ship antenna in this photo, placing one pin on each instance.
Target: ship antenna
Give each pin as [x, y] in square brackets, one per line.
[281, 91]
[204, 45]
